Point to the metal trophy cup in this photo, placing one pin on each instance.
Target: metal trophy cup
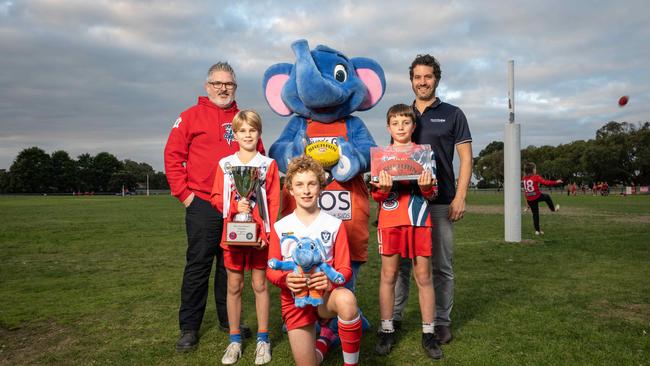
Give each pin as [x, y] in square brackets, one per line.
[243, 230]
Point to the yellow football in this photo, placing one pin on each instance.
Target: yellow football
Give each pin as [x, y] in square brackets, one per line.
[323, 152]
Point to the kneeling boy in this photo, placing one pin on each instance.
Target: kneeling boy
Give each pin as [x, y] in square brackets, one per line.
[305, 179]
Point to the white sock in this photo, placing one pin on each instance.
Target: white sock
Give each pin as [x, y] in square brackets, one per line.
[387, 326]
[428, 327]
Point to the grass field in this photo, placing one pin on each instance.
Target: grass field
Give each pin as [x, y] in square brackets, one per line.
[95, 280]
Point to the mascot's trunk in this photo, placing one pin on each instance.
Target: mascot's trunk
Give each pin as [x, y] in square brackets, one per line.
[314, 90]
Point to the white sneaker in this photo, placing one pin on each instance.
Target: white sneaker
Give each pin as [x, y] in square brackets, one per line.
[539, 232]
[232, 355]
[557, 208]
[262, 353]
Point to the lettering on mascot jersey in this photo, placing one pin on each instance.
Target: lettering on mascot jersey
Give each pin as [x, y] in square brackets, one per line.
[337, 204]
[330, 139]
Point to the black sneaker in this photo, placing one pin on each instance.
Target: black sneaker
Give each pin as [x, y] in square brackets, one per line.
[431, 346]
[386, 342]
[444, 334]
[188, 341]
[243, 328]
[397, 324]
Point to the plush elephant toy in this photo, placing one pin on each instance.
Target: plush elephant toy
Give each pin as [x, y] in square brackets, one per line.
[307, 258]
[321, 90]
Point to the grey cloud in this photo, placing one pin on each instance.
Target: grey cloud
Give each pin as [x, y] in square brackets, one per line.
[112, 76]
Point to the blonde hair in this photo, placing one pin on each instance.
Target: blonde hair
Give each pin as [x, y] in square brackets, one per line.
[302, 164]
[247, 116]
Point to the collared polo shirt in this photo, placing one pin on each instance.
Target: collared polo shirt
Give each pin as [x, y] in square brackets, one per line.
[443, 126]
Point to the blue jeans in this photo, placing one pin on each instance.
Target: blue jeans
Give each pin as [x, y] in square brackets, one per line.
[443, 274]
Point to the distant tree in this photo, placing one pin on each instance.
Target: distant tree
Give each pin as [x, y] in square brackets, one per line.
[4, 181]
[31, 172]
[570, 155]
[641, 147]
[613, 155]
[158, 181]
[494, 146]
[139, 170]
[105, 165]
[488, 166]
[86, 173]
[34, 171]
[613, 128]
[122, 179]
[64, 172]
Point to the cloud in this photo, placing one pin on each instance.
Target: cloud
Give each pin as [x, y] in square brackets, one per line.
[113, 75]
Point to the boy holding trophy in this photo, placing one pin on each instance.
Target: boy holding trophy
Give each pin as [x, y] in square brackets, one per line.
[403, 184]
[247, 190]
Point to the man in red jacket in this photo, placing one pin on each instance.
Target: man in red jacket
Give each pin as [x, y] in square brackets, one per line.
[199, 138]
[531, 184]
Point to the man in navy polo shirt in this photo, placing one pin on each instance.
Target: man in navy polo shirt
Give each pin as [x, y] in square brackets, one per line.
[444, 127]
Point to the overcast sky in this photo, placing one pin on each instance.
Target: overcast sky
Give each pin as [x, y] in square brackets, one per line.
[92, 76]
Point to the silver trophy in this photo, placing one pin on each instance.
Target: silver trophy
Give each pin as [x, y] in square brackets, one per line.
[243, 230]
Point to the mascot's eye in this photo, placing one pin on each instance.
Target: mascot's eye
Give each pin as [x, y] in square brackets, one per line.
[340, 74]
[312, 246]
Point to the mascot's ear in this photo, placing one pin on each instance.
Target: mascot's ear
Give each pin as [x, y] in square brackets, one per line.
[372, 75]
[321, 249]
[275, 78]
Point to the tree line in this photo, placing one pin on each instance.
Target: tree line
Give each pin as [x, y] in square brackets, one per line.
[35, 171]
[619, 154]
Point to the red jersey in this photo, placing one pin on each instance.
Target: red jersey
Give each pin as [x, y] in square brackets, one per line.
[531, 186]
[328, 229]
[200, 137]
[224, 195]
[404, 205]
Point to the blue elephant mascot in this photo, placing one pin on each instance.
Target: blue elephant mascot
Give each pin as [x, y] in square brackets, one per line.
[320, 91]
[308, 257]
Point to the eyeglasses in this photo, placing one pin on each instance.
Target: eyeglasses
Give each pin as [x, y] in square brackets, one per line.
[218, 85]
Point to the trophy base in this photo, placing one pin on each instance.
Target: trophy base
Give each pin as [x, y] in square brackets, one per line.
[241, 234]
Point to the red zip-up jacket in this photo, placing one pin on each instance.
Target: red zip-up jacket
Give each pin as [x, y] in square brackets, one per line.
[200, 137]
[531, 186]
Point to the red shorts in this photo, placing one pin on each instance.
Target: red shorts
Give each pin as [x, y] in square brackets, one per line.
[295, 317]
[245, 259]
[407, 241]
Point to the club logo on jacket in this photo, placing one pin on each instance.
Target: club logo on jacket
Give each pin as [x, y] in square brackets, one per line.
[325, 235]
[437, 120]
[178, 122]
[229, 136]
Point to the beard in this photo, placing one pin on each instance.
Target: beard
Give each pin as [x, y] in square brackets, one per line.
[425, 93]
[223, 100]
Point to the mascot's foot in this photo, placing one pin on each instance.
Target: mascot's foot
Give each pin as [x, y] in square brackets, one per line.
[365, 324]
[301, 302]
[315, 302]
